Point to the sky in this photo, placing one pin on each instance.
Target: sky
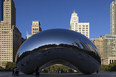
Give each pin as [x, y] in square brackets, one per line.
[54, 14]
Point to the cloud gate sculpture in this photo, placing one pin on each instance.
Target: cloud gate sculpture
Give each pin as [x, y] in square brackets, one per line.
[58, 46]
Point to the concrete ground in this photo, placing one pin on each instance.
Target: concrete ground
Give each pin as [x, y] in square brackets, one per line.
[100, 74]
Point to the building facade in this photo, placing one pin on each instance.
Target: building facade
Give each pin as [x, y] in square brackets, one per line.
[9, 12]
[35, 28]
[82, 28]
[107, 47]
[1, 10]
[10, 36]
[113, 17]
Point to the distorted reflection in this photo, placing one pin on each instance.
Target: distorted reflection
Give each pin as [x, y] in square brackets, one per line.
[60, 44]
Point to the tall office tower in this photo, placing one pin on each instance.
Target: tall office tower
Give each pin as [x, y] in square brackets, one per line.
[113, 17]
[1, 10]
[9, 12]
[83, 28]
[10, 36]
[35, 28]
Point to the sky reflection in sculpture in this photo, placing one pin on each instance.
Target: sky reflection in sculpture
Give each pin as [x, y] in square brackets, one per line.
[54, 36]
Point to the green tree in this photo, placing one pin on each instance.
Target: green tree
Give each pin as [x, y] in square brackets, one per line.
[10, 65]
[112, 66]
[104, 68]
[1, 68]
[54, 68]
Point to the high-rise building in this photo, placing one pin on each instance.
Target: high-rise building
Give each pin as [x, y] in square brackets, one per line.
[9, 12]
[107, 43]
[1, 10]
[10, 36]
[82, 28]
[35, 28]
[113, 17]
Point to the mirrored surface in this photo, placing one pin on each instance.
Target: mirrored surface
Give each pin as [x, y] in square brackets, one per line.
[57, 41]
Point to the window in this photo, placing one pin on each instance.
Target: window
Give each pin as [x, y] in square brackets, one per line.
[35, 29]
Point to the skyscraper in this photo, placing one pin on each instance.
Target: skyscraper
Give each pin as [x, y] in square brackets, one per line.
[113, 17]
[1, 10]
[9, 12]
[82, 28]
[10, 36]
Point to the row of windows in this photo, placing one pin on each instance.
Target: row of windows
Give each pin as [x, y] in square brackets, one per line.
[6, 59]
[84, 33]
[7, 3]
[5, 47]
[5, 55]
[79, 25]
[6, 11]
[7, 43]
[6, 51]
[110, 36]
[34, 32]
[6, 7]
[5, 27]
[5, 37]
[79, 28]
[35, 29]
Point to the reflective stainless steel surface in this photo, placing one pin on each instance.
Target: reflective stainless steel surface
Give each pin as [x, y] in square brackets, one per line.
[56, 45]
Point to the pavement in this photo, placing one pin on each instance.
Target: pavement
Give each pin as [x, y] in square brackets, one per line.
[100, 74]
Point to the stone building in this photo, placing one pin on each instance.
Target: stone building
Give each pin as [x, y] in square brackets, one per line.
[82, 28]
[35, 28]
[10, 36]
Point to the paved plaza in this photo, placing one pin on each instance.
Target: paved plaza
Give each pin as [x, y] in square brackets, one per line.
[101, 74]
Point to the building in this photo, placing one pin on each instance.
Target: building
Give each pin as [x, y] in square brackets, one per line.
[1, 10]
[99, 44]
[113, 17]
[9, 12]
[83, 28]
[35, 28]
[10, 36]
[107, 43]
[109, 48]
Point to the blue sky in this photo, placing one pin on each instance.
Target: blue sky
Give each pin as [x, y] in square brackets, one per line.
[57, 13]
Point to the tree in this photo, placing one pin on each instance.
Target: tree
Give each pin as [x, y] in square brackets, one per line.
[1, 68]
[104, 68]
[10, 65]
[54, 68]
[112, 66]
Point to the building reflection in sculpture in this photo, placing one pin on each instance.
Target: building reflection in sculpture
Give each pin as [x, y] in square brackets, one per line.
[61, 46]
